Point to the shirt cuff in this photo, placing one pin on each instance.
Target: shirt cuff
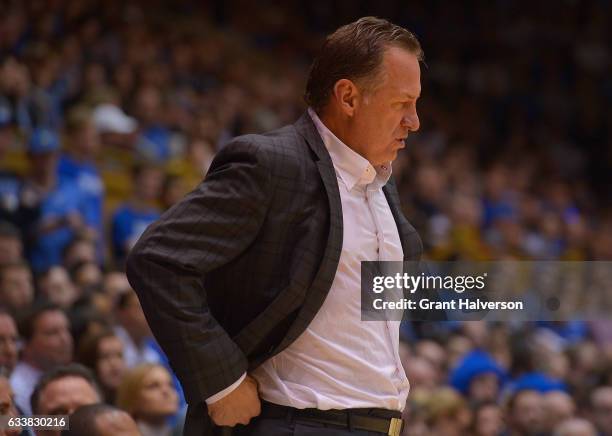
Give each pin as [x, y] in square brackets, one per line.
[225, 391]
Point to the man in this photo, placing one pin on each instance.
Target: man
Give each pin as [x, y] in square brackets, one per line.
[56, 286]
[48, 343]
[10, 182]
[11, 247]
[52, 213]
[78, 167]
[131, 218]
[61, 391]
[8, 341]
[526, 413]
[253, 280]
[601, 406]
[133, 331]
[575, 427]
[7, 407]
[101, 420]
[16, 285]
[559, 406]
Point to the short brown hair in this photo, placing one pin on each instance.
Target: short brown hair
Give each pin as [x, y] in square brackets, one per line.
[57, 373]
[355, 52]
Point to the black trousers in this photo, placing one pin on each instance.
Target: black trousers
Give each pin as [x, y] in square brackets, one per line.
[285, 427]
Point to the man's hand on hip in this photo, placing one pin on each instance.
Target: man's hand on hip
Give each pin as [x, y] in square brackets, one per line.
[239, 406]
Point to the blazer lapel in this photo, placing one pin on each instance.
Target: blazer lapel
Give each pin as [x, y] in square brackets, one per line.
[411, 242]
[331, 257]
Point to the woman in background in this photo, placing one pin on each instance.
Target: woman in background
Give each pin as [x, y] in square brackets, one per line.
[147, 393]
[102, 351]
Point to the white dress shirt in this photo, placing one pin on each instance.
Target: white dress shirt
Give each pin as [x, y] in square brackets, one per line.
[340, 361]
[23, 380]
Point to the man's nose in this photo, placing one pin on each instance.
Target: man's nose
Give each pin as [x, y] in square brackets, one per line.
[411, 121]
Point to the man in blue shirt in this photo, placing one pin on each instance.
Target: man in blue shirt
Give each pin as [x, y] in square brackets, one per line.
[77, 167]
[57, 210]
[132, 218]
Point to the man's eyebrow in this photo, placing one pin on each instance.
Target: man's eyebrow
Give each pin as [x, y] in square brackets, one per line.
[410, 95]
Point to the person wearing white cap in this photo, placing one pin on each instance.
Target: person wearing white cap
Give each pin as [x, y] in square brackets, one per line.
[109, 118]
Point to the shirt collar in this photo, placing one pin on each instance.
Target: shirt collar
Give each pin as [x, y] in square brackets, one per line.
[353, 169]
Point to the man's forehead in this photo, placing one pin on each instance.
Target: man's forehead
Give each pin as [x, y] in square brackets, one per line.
[402, 73]
[51, 317]
[7, 322]
[67, 390]
[402, 90]
[401, 58]
[69, 383]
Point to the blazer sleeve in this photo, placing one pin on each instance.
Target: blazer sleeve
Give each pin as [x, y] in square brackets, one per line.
[210, 227]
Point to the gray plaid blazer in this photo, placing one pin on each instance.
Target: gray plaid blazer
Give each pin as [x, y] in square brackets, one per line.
[234, 273]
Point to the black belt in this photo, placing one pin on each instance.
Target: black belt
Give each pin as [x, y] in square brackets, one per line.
[379, 420]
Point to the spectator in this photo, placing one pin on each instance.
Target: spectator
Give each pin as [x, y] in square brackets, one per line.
[131, 219]
[78, 167]
[55, 210]
[7, 408]
[8, 342]
[488, 419]
[87, 276]
[147, 393]
[134, 331]
[102, 352]
[421, 373]
[447, 413]
[47, 344]
[56, 286]
[10, 185]
[115, 284]
[61, 391]
[575, 427]
[79, 250]
[478, 377]
[101, 420]
[155, 140]
[601, 403]
[114, 126]
[16, 287]
[14, 87]
[458, 346]
[173, 190]
[558, 407]
[11, 247]
[435, 354]
[525, 413]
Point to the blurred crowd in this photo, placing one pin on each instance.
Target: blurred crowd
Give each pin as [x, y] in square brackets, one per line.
[110, 111]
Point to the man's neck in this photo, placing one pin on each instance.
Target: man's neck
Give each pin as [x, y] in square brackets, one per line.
[341, 128]
[336, 126]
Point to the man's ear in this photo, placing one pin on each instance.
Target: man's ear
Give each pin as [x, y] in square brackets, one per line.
[346, 95]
